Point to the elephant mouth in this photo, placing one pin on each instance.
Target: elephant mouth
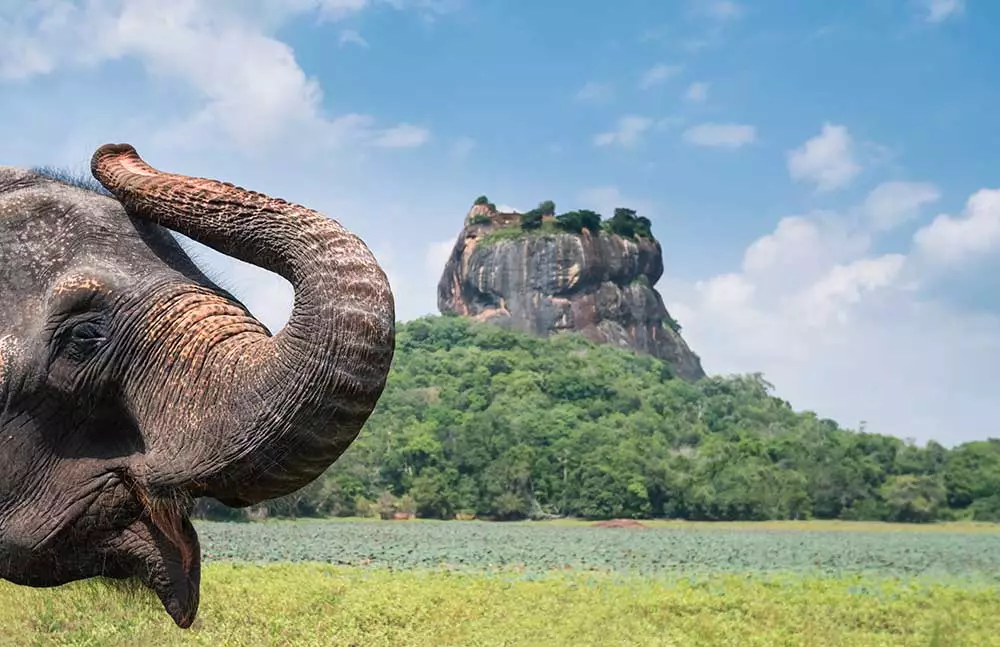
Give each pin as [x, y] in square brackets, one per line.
[165, 554]
[173, 572]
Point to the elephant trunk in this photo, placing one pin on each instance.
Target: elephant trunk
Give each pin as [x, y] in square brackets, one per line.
[266, 415]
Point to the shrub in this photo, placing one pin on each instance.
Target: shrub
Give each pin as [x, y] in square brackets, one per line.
[482, 200]
[480, 219]
[531, 219]
[643, 227]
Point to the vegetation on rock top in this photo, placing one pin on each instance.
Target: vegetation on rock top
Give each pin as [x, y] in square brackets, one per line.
[624, 223]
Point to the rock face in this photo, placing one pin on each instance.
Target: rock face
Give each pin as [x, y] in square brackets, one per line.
[547, 281]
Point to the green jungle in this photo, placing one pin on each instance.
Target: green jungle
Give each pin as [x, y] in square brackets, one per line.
[480, 421]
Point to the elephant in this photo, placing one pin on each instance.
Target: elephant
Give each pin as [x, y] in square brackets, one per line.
[131, 384]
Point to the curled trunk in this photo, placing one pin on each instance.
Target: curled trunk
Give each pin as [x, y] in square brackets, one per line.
[270, 413]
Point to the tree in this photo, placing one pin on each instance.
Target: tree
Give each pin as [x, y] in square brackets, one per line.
[570, 221]
[913, 498]
[479, 419]
[623, 222]
[590, 220]
[481, 200]
[972, 472]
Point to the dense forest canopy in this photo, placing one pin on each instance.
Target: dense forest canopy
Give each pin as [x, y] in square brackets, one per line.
[478, 420]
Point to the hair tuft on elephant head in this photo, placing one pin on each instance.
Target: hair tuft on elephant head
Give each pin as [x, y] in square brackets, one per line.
[131, 384]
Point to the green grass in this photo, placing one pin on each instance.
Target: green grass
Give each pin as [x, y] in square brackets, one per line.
[515, 232]
[312, 604]
[376, 583]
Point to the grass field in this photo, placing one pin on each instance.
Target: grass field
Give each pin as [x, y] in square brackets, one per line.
[472, 583]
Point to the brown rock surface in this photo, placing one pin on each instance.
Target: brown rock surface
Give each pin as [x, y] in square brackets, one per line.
[550, 281]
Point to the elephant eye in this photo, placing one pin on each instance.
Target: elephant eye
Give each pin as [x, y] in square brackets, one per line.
[84, 338]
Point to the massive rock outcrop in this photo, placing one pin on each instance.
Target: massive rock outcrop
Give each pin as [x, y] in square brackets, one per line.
[548, 280]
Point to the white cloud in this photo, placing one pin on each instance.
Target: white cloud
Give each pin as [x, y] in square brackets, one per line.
[951, 240]
[893, 203]
[629, 132]
[247, 86]
[940, 10]
[696, 92]
[657, 75]
[402, 136]
[594, 92]
[352, 37]
[844, 331]
[833, 296]
[720, 135]
[828, 160]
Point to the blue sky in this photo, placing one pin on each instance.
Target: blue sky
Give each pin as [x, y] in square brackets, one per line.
[824, 177]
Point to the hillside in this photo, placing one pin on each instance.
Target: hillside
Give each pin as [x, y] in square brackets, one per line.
[543, 273]
[477, 419]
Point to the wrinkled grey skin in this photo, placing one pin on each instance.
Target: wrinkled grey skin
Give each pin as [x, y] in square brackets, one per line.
[131, 384]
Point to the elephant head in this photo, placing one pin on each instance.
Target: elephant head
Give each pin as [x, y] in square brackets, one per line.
[131, 384]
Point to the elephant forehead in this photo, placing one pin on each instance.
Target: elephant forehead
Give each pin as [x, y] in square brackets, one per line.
[80, 280]
[51, 234]
[38, 233]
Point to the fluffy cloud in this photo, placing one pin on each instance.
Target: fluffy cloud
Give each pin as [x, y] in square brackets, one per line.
[827, 160]
[951, 240]
[891, 204]
[939, 10]
[246, 84]
[846, 331]
[629, 131]
[402, 136]
[658, 75]
[720, 135]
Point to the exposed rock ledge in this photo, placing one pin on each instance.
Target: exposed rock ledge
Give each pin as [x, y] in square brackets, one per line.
[547, 281]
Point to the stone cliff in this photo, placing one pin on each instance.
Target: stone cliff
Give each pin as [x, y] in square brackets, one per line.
[549, 279]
